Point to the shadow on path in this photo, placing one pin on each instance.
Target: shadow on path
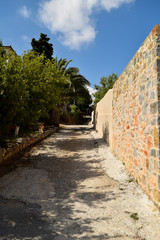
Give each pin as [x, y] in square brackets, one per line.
[19, 220]
[81, 189]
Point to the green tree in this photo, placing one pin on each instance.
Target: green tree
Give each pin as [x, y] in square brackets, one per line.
[76, 91]
[62, 64]
[1, 44]
[13, 91]
[29, 86]
[43, 46]
[2, 51]
[78, 84]
[106, 83]
[83, 99]
[78, 95]
[44, 84]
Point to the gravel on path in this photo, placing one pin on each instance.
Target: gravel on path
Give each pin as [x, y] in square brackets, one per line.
[74, 188]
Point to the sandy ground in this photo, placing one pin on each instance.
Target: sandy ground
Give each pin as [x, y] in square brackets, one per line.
[72, 187]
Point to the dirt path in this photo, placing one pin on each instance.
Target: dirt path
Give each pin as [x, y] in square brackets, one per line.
[64, 192]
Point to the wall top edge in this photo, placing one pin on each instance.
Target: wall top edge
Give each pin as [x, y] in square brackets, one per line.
[154, 35]
[156, 30]
[109, 94]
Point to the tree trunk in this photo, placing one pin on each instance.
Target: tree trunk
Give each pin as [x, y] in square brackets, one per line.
[54, 117]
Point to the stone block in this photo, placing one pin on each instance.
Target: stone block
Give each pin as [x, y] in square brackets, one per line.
[153, 122]
[145, 107]
[153, 152]
[147, 164]
[156, 195]
[154, 108]
[152, 95]
[158, 39]
[150, 168]
[155, 136]
[159, 182]
[141, 99]
[158, 65]
[158, 50]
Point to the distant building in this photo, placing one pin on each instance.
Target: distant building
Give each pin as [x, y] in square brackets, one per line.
[8, 49]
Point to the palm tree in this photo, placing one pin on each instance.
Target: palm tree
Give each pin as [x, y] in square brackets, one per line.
[78, 83]
[62, 64]
[76, 91]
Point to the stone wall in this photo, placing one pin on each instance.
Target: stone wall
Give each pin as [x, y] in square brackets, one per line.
[136, 120]
[103, 117]
[15, 148]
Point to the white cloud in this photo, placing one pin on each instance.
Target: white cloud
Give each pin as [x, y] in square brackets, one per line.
[26, 38]
[109, 4]
[25, 12]
[92, 91]
[72, 19]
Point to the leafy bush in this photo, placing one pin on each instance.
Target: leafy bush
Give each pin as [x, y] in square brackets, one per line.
[30, 85]
[106, 83]
[71, 115]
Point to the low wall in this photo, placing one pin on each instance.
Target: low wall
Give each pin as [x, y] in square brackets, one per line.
[136, 120]
[103, 117]
[15, 148]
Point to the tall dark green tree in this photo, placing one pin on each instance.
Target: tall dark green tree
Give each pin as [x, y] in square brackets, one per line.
[106, 83]
[43, 46]
[2, 51]
[1, 43]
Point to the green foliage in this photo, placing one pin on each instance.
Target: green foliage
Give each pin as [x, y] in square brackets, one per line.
[2, 51]
[76, 92]
[45, 83]
[29, 87]
[106, 83]
[33, 85]
[72, 115]
[1, 44]
[131, 180]
[13, 91]
[83, 99]
[62, 64]
[134, 216]
[43, 46]
[75, 113]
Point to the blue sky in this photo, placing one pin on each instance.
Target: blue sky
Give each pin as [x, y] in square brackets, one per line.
[100, 36]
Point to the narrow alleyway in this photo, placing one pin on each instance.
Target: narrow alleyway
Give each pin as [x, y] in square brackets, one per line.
[71, 187]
